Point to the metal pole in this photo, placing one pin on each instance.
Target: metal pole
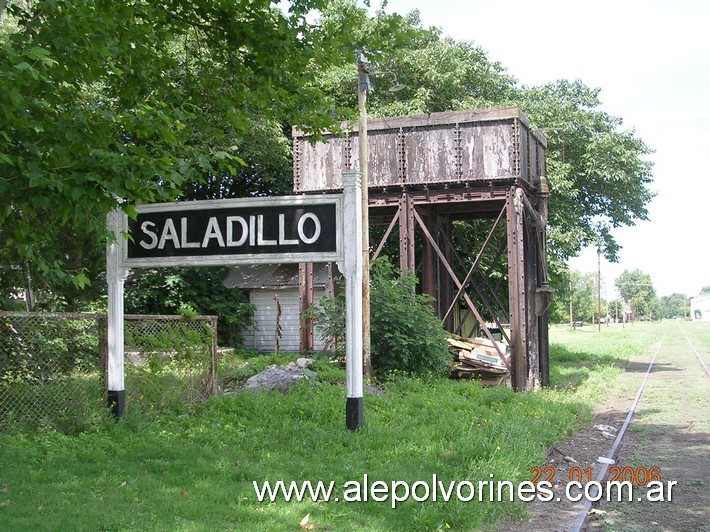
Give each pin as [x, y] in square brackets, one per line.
[29, 294]
[599, 289]
[606, 302]
[571, 318]
[362, 88]
[115, 276]
[352, 269]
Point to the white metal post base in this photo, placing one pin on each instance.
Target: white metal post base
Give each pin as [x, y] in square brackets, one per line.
[352, 270]
[115, 277]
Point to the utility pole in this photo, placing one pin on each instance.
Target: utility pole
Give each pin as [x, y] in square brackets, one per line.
[571, 317]
[606, 302]
[599, 289]
[363, 85]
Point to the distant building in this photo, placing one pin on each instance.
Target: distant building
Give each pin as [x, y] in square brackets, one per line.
[700, 307]
[627, 314]
[263, 282]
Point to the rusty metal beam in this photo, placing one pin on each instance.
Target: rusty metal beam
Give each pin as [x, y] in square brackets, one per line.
[446, 288]
[428, 259]
[411, 226]
[382, 243]
[406, 233]
[533, 348]
[452, 274]
[452, 198]
[469, 275]
[516, 289]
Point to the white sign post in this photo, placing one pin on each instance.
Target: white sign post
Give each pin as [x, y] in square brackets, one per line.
[352, 270]
[115, 276]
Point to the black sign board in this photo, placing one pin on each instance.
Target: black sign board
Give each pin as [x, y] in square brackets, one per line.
[236, 231]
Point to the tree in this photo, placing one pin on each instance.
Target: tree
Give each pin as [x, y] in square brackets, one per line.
[616, 309]
[406, 334]
[584, 296]
[598, 172]
[636, 289]
[675, 306]
[108, 104]
[440, 74]
[195, 99]
[581, 290]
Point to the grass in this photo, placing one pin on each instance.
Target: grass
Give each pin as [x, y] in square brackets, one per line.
[193, 469]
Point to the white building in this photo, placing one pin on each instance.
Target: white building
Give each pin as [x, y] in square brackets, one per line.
[700, 307]
[263, 282]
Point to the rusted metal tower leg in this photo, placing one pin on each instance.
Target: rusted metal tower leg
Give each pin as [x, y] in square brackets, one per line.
[544, 343]
[428, 256]
[543, 282]
[446, 284]
[516, 289]
[406, 233]
[532, 341]
[305, 289]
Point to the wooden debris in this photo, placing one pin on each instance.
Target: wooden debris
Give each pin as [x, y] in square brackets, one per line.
[478, 359]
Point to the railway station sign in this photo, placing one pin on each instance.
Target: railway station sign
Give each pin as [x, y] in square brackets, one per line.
[285, 229]
[235, 231]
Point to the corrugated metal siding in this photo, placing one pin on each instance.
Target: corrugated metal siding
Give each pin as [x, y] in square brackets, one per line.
[261, 336]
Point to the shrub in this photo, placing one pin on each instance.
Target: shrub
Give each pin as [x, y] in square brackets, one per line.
[406, 334]
[42, 350]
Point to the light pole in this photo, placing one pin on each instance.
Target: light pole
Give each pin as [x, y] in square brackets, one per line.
[571, 316]
[363, 85]
[599, 289]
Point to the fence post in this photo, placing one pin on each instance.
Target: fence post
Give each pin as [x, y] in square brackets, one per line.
[213, 368]
[115, 276]
[352, 270]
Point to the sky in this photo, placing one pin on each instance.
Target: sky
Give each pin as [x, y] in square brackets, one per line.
[651, 60]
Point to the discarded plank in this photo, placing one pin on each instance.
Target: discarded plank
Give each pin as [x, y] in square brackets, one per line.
[477, 359]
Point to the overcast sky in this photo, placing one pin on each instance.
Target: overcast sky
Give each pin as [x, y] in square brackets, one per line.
[651, 59]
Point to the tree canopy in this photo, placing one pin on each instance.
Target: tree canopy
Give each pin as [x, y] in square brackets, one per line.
[675, 306]
[111, 104]
[107, 104]
[636, 289]
[598, 171]
[581, 291]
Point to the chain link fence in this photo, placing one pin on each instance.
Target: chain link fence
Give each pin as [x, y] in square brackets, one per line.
[53, 366]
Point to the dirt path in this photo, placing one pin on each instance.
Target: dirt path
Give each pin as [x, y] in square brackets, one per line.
[670, 430]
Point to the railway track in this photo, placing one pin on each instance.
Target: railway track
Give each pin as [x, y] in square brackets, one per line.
[610, 458]
[697, 355]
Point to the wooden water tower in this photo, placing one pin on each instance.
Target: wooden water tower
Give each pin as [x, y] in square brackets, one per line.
[425, 173]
